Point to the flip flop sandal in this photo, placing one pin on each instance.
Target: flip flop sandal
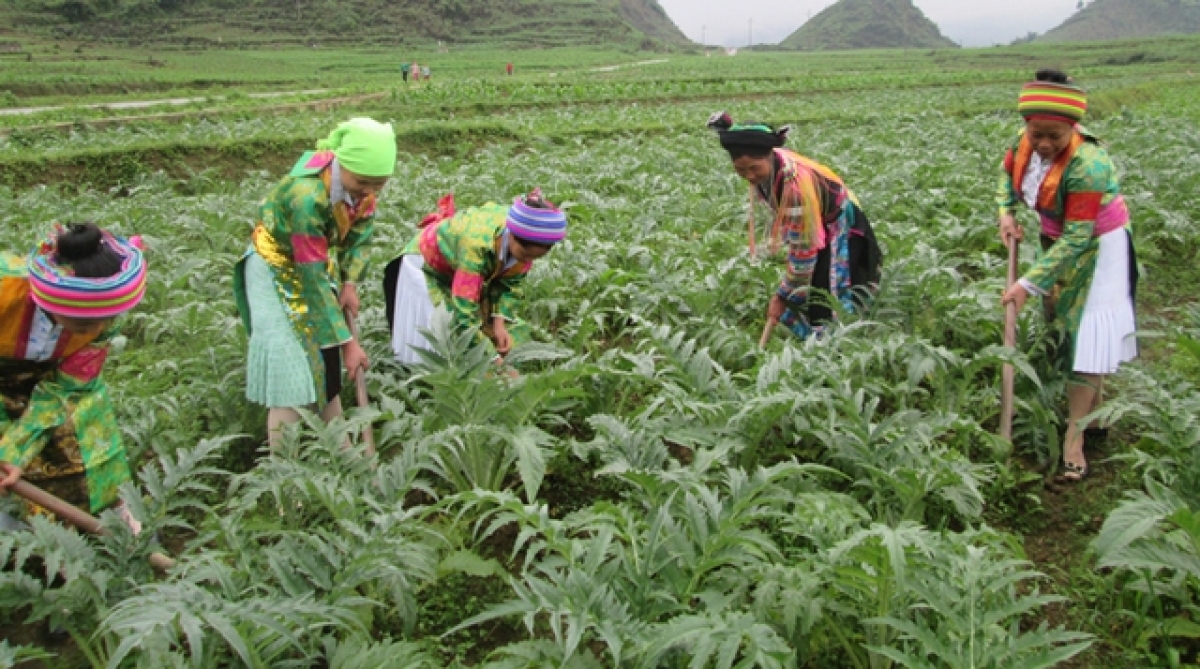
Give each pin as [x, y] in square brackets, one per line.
[1073, 473]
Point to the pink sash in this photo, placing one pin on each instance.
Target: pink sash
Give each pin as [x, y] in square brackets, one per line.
[1112, 216]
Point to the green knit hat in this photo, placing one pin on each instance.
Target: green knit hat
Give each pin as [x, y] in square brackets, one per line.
[364, 146]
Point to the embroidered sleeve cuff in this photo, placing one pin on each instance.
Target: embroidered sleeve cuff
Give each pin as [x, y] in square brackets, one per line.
[792, 294]
[22, 455]
[1031, 288]
[341, 331]
[354, 273]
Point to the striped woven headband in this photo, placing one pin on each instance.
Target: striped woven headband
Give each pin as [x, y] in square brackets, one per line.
[542, 226]
[1060, 102]
[54, 287]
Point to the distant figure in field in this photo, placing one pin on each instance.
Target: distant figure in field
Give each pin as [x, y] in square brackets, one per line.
[416, 71]
[425, 72]
[508, 68]
[1087, 273]
[831, 247]
[404, 71]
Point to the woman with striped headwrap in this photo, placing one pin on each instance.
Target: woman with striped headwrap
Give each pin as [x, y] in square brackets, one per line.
[57, 308]
[831, 246]
[474, 263]
[1087, 271]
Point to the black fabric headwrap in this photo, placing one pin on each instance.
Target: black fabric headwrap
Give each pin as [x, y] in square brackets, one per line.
[747, 134]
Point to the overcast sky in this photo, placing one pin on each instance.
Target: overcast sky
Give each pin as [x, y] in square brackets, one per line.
[968, 22]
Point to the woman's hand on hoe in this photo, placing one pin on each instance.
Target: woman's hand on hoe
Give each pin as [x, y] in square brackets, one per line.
[501, 337]
[1016, 295]
[775, 308]
[9, 475]
[1010, 229]
[354, 358]
[348, 299]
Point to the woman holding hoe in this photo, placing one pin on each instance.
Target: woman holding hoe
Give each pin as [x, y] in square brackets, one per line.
[830, 244]
[57, 312]
[1058, 169]
[298, 279]
[474, 263]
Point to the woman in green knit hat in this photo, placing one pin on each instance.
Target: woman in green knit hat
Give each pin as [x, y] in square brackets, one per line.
[306, 257]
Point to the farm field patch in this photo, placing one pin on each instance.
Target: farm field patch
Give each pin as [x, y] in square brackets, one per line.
[653, 490]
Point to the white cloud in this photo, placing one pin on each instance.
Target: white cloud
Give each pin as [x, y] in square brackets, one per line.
[969, 22]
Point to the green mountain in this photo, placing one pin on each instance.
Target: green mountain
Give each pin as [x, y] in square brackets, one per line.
[1116, 19]
[199, 23]
[868, 24]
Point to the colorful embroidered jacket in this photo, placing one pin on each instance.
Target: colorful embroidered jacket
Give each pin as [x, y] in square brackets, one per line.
[464, 263]
[1079, 200]
[74, 392]
[806, 198]
[312, 246]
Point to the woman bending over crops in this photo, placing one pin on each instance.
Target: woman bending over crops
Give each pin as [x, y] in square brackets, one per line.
[474, 263]
[57, 311]
[830, 244]
[299, 275]
[1058, 169]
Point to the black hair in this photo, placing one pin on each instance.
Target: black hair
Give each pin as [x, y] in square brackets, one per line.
[1053, 76]
[535, 200]
[82, 247]
[742, 150]
[530, 242]
[747, 141]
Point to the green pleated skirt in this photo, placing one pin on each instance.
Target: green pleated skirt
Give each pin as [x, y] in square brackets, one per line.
[277, 370]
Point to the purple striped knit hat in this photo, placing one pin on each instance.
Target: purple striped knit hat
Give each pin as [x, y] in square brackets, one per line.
[541, 226]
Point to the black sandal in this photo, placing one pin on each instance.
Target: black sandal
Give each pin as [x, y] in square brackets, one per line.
[1073, 473]
[1095, 437]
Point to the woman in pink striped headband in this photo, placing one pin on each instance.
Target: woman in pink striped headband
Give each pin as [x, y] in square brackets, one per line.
[472, 263]
[57, 308]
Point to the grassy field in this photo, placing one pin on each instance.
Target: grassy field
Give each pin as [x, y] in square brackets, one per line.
[654, 491]
[66, 72]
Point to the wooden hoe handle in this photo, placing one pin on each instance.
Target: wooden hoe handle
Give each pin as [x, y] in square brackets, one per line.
[766, 333]
[1010, 340]
[75, 516]
[360, 389]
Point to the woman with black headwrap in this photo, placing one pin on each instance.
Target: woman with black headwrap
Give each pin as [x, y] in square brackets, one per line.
[830, 244]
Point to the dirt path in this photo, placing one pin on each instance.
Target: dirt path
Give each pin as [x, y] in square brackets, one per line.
[640, 63]
[321, 104]
[1057, 540]
[144, 104]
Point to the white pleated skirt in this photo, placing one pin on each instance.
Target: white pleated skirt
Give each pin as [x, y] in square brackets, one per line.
[414, 308]
[1107, 331]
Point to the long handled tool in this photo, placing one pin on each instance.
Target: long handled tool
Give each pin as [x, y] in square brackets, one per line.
[73, 515]
[1010, 340]
[360, 388]
[767, 330]
[750, 227]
